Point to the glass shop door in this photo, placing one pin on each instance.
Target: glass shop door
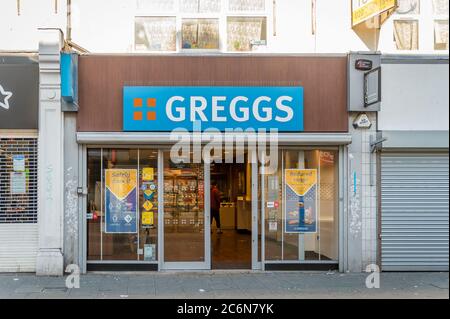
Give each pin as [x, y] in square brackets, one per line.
[186, 217]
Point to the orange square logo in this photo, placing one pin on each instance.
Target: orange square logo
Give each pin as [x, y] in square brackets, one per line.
[151, 116]
[137, 102]
[137, 116]
[151, 102]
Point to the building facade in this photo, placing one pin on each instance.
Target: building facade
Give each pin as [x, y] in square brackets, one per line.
[19, 102]
[381, 195]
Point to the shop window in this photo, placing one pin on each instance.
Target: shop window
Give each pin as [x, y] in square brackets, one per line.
[440, 7]
[441, 35]
[246, 5]
[200, 34]
[245, 32]
[301, 206]
[406, 34]
[122, 215]
[156, 5]
[408, 7]
[199, 6]
[155, 33]
[18, 180]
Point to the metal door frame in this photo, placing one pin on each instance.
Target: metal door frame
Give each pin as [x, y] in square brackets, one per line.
[256, 264]
[184, 265]
[342, 199]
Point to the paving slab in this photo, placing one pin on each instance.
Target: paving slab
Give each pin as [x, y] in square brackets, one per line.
[225, 285]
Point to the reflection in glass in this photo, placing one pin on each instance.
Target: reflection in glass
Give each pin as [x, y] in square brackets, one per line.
[200, 34]
[408, 7]
[406, 34]
[246, 5]
[441, 35]
[156, 5]
[242, 31]
[440, 7]
[199, 6]
[155, 33]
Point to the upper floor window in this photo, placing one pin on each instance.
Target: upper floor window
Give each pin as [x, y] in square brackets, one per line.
[244, 32]
[246, 5]
[173, 25]
[155, 33]
[156, 5]
[200, 34]
[441, 34]
[440, 13]
[408, 7]
[199, 6]
[421, 25]
[440, 7]
[406, 34]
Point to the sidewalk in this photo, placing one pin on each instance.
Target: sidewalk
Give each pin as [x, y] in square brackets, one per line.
[227, 284]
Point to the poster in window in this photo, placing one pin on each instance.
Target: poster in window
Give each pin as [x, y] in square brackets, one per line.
[18, 183]
[19, 163]
[300, 200]
[120, 200]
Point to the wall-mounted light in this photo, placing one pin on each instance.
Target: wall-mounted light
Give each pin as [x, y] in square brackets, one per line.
[18, 7]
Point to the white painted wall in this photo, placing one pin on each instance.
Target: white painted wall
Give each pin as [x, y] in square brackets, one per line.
[107, 26]
[414, 97]
[20, 32]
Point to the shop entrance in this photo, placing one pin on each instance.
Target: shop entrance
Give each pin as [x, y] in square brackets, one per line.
[231, 216]
[144, 211]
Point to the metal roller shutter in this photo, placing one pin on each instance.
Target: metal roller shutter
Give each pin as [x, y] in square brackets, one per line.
[18, 247]
[414, 212]
[18, 210]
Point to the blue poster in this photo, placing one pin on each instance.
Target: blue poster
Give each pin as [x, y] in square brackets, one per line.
[120, 201]
[300, 201]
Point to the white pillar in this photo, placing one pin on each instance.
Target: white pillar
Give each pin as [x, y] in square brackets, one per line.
[50, 163]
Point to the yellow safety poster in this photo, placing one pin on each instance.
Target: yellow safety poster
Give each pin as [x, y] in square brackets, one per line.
[147, 174]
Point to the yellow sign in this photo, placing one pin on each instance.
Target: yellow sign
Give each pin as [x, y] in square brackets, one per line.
[300, 180]
[147, 174]
[363, 10]
[148, 192]
[147, 218]
[120, 181]
[148, 205]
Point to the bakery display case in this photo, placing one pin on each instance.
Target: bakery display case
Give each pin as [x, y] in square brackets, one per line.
[183, 199]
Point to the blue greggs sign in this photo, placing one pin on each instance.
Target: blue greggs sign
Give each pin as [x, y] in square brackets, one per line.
[165, 108]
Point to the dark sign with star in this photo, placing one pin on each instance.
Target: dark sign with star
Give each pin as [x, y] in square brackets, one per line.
[19, 92]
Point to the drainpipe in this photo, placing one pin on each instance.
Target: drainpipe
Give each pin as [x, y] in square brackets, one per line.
[69, 21]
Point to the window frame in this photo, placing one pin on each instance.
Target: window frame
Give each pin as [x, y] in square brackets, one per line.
[222, 17]
[438, 18]
[413, 17]
[418, 34]
[435, 21]
[426, 30]
[245, 16]
[154, 51]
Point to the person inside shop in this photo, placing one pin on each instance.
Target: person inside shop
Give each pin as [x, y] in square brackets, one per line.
[215, 205]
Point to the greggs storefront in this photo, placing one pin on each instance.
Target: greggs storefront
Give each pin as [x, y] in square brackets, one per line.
[212, 162]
